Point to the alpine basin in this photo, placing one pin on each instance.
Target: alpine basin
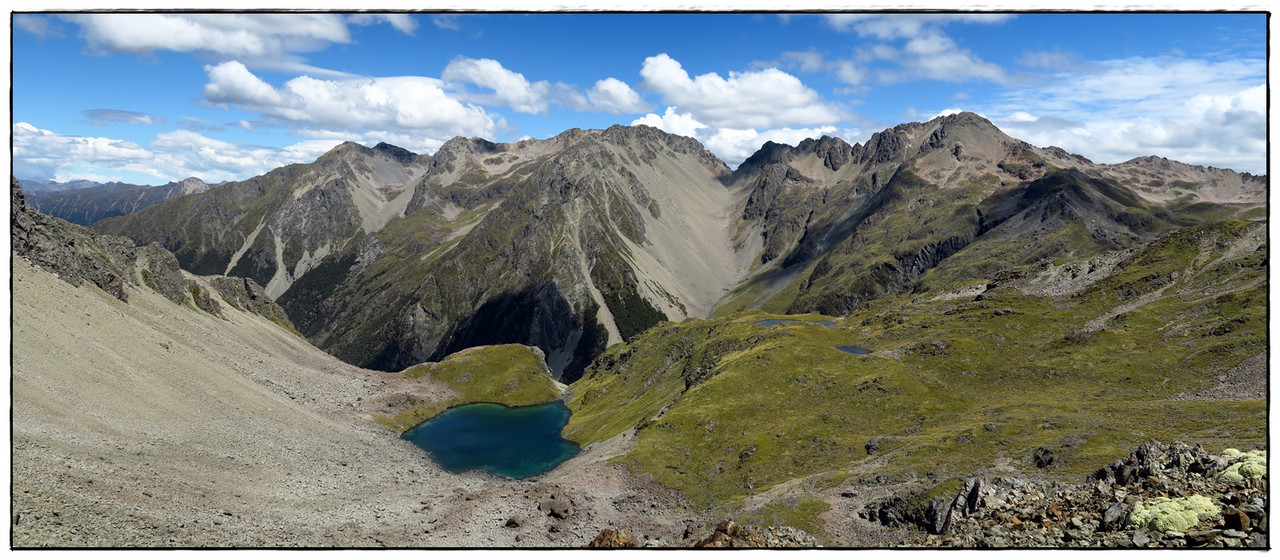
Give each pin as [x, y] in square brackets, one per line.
[513, 442]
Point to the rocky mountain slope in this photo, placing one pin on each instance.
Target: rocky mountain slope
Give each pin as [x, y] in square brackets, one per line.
[145, 420]
[1076, 361]
[90, 204]
[930, 205]
[829, 332]
[583, 240]
[590, 237]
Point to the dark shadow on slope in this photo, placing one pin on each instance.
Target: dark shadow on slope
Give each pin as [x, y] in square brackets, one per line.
[537, 315]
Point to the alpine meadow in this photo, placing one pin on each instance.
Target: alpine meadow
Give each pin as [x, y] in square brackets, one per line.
[675, 280]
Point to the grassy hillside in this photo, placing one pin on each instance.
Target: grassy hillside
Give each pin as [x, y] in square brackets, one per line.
[509, 374]
[727, 408]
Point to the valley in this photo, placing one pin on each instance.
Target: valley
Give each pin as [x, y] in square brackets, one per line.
[825, 331]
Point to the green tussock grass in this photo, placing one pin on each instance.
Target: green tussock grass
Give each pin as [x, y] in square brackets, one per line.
[509, 374]
[726, 409]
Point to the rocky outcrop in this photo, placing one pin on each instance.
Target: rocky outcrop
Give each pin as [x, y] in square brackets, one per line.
[610, 538]
[69, 251]
[729, 534]
[1159, 496]
[77, 255]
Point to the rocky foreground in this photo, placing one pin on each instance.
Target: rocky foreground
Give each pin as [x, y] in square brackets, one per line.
[1172, 495]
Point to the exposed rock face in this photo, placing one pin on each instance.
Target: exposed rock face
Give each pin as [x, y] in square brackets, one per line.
[67, 250]
[847, 224]
[587, 238]
[114, 264]
[1116, 507]
[581, 241]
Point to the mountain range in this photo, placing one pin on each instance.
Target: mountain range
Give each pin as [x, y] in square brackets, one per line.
[590, 237]
[85, 202]
[832, 337]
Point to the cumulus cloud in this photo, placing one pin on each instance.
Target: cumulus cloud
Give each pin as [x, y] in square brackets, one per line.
[768, 98]
[512, 89]
[615, 96]
[733, 145]
[408, 103]
[43, 154]
[1195, 111]
[509, 88]
[110, 116]
[672, 121]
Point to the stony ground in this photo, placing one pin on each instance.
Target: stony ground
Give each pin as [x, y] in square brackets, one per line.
[150, 424]
[1008, 511]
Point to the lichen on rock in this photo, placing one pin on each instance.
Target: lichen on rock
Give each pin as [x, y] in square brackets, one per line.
[1251, 465]
[1171, 514]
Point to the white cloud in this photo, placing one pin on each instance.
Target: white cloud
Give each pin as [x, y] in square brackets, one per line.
[403, 23]
[43, 154]
[105, 116]
[39, 25]
[40, 154]
[766, 98]
[510, 87]
[445, 21]
[615, 96]
[1195, 111]
[673, 122]
[1053, 60]
[408, 103]
[900, 26]
[260, 41]
[733, 145]
[846, 71]
[925, 52]
[232, 35]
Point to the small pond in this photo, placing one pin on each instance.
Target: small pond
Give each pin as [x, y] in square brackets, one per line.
[855, 350]
[773, 322]
[512, 442]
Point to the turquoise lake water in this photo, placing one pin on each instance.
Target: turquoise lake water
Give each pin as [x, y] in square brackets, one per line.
[511, 442]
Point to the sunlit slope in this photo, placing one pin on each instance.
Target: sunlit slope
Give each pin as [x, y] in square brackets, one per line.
[727, 408]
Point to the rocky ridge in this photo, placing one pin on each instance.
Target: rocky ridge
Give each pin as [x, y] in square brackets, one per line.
[1101, 512]
[87, 205]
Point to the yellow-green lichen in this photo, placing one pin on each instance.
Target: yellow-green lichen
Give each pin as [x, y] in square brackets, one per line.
[1251, 465]
[1176, 514]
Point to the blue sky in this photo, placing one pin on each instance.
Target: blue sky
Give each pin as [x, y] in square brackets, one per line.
[150, 98]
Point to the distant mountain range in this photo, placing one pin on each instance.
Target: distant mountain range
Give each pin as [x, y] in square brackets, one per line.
[386, 258]
[837, 338]
[86, 202]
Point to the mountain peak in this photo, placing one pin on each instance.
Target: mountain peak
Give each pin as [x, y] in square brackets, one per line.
[395, 152]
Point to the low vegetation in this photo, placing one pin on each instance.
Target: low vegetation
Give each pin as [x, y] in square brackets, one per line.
[509, 374]
[727, 408]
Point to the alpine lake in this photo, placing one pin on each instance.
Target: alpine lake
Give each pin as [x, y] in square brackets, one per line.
[515, 442]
